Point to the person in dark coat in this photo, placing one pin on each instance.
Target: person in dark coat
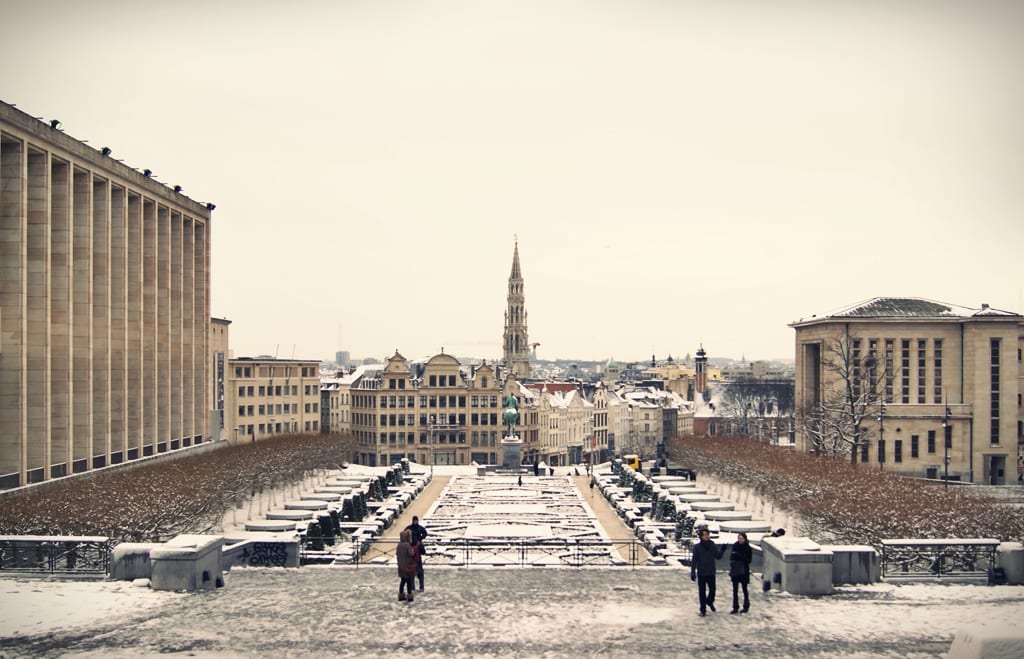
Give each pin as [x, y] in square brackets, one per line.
[739, 571]
[418, 534]
[407, 558]
[702, 569]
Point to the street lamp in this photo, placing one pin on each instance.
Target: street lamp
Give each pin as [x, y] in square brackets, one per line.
[881, 433]
[431, 424]
[947, 440]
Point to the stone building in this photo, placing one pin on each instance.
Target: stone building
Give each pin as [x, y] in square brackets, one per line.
[104, 308]
[933, 380]
[267, 396]
[432, 412]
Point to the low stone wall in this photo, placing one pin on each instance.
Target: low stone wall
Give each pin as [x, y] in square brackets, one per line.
[188, 562]
[1010, 557]
[130, 561]
[796, 565]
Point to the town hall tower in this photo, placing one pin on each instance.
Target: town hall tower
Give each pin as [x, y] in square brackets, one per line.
[516, 343]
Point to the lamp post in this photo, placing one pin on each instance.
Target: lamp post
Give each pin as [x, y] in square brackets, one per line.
[431, 425]
[947, 440]
[881, 434]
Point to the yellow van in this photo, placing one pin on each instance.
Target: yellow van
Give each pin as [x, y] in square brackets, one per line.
[632, 460]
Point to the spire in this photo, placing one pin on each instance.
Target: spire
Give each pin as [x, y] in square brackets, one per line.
[516, 273]
[516, 341]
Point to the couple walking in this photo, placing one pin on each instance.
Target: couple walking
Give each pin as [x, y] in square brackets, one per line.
[702, 570]
[409, 554]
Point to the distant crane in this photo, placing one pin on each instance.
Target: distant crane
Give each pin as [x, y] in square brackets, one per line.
[533, 349]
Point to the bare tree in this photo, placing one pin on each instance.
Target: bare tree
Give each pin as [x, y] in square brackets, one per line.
[750, 401]
[855, 392]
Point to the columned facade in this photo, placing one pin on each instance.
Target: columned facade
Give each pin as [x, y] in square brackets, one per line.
[104, 308]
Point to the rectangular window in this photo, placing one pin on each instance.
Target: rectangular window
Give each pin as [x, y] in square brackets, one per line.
[921, 357]
[472, 401]
[432, 380]
[881, 451]
[937, 371]
[897, 450]
[855, 357]
[241, 392]
[995, 346]
[864, 452]
[241, 410]
[263, 390]
[914, 446]
[905, 371]
[888, 370]
[931, 441]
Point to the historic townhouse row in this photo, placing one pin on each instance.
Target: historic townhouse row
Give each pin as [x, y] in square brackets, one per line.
[439, 411]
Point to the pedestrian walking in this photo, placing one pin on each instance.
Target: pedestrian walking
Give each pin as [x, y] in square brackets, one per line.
[520, 481]
[407, 558]
[591, 486]
[739, 572]
[702, 569]
[418, 535]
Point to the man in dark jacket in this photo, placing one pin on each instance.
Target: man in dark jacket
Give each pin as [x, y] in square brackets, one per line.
[418, 534]
[702, 569]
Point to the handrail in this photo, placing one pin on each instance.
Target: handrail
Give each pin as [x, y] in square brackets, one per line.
[523, 552]
[67, 554]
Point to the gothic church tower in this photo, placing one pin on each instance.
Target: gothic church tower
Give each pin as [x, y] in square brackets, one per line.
[516, 342]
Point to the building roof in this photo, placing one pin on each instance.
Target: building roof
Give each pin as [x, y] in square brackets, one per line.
[908, 307]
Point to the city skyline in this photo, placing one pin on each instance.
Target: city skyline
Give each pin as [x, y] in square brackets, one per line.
[677, 175]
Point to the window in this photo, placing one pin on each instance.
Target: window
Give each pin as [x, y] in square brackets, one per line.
[921, 345]
[433, 380]
[483, 382]
[931, 441]
[241, 410]
[905, 371]
[249, 391]
[897, 450]
[241, 392]
[888, 370]
[994, 345]
[451, 383]
[263, 390]
[881, 451]
[914, 446]
[937, 371]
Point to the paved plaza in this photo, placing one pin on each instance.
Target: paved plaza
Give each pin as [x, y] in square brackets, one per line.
[540, 611]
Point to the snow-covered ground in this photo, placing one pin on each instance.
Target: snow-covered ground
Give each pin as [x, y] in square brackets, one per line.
[487, 612]
[501, 612]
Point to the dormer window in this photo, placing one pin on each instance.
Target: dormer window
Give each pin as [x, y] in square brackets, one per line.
[483, 382]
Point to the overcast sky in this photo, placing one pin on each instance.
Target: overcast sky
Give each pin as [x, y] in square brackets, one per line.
[677, 173]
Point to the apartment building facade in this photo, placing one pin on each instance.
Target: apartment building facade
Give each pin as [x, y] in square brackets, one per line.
[936, 380]
[104, 308]
[267, 397]
[432, 412]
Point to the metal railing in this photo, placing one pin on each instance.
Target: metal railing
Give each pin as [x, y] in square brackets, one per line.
[531, 552]
[66, 554]
[914, 558]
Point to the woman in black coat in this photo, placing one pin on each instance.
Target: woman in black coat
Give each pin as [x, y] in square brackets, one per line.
[739, 571]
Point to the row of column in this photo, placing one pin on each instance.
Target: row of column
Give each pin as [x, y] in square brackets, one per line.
[104, 308]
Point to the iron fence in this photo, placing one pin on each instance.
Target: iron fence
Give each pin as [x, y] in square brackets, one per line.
[66, 554]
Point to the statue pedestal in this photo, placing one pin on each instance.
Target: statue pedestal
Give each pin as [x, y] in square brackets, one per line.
[511, 451]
